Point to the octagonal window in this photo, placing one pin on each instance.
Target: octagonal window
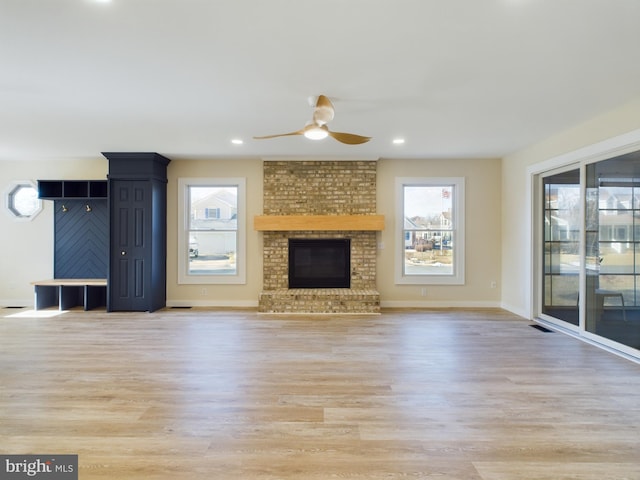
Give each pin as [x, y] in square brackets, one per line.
[22, 200]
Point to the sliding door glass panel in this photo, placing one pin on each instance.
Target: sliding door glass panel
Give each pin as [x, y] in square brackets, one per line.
[613, 245]
[561, 246]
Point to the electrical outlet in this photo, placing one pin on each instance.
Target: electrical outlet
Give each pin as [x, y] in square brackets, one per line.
[494, 284]
[423, 292]
[203, 291]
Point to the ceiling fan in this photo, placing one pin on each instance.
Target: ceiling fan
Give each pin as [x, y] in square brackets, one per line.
[317, 129]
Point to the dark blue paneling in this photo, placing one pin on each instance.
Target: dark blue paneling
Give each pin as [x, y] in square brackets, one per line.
[81, 239]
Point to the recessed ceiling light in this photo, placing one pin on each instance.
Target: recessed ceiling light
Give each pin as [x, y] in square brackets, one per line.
[398, 141]
[237, 141]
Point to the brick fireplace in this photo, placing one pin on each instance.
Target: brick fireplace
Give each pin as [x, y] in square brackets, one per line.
[319, 200]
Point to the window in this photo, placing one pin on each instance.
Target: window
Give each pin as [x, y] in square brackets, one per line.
[212, 213]
[22, 200]
[430, 228]
[211, 243]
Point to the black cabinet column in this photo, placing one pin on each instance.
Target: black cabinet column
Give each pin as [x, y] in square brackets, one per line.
[138, 235]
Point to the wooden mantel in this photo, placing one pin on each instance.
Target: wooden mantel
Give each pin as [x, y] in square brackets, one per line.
[280, 223]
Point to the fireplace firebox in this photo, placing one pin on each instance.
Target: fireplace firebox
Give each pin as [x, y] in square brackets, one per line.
[320, 263]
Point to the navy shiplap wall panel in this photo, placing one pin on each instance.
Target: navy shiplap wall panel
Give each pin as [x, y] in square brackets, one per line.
[81, 239]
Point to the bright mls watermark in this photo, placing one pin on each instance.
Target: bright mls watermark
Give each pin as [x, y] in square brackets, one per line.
[50, 467]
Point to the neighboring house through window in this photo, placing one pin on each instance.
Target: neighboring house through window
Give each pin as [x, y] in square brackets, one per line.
[211, 245]
[430, 214]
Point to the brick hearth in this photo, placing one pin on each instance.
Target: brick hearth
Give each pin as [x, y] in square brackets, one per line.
[320, 300]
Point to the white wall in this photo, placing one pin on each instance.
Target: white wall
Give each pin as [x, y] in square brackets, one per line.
[516, 232]
[216, 295]
[27, 247]
[482, 232]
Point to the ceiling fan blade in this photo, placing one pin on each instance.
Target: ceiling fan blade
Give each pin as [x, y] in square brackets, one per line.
[349, 138]
[324, 111]
[299, 132]
[324, 102]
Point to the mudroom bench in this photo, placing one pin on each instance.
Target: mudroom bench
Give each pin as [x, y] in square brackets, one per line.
[67, 293]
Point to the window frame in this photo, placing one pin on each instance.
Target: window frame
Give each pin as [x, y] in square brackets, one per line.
[184, 215]
[9, 201]
[457, 228]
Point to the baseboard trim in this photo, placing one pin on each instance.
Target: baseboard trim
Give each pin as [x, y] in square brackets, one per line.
[438, 304]
[213, 303]
[516, 311]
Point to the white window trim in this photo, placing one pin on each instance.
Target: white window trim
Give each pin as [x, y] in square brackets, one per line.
[183, 232]
[7, 201]
[458, 276]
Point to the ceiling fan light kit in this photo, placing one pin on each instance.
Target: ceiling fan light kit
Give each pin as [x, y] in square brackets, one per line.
[316, 132]
[317, 129]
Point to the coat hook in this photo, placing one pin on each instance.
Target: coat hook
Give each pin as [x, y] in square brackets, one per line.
[88, 208]
[64, 208]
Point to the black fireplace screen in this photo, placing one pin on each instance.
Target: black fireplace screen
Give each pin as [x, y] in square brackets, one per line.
[319, 263]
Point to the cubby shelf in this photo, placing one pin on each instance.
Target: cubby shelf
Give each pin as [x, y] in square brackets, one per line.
[59, 189]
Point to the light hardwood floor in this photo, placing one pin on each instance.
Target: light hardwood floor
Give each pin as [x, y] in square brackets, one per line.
[231, 394]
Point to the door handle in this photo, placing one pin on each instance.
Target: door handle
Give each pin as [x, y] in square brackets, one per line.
[123, 253]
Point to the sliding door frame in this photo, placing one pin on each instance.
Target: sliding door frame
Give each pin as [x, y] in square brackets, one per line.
[539, 197]
[579, 158]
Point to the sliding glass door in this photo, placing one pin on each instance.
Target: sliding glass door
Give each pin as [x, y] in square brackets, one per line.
[591, 243]
[612, 236]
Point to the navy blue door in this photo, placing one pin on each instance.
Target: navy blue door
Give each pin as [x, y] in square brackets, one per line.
[130, 245]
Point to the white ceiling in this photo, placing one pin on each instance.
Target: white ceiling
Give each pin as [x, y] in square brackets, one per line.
[455, 78]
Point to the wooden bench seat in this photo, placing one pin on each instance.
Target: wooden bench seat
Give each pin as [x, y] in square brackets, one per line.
[70, 292]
